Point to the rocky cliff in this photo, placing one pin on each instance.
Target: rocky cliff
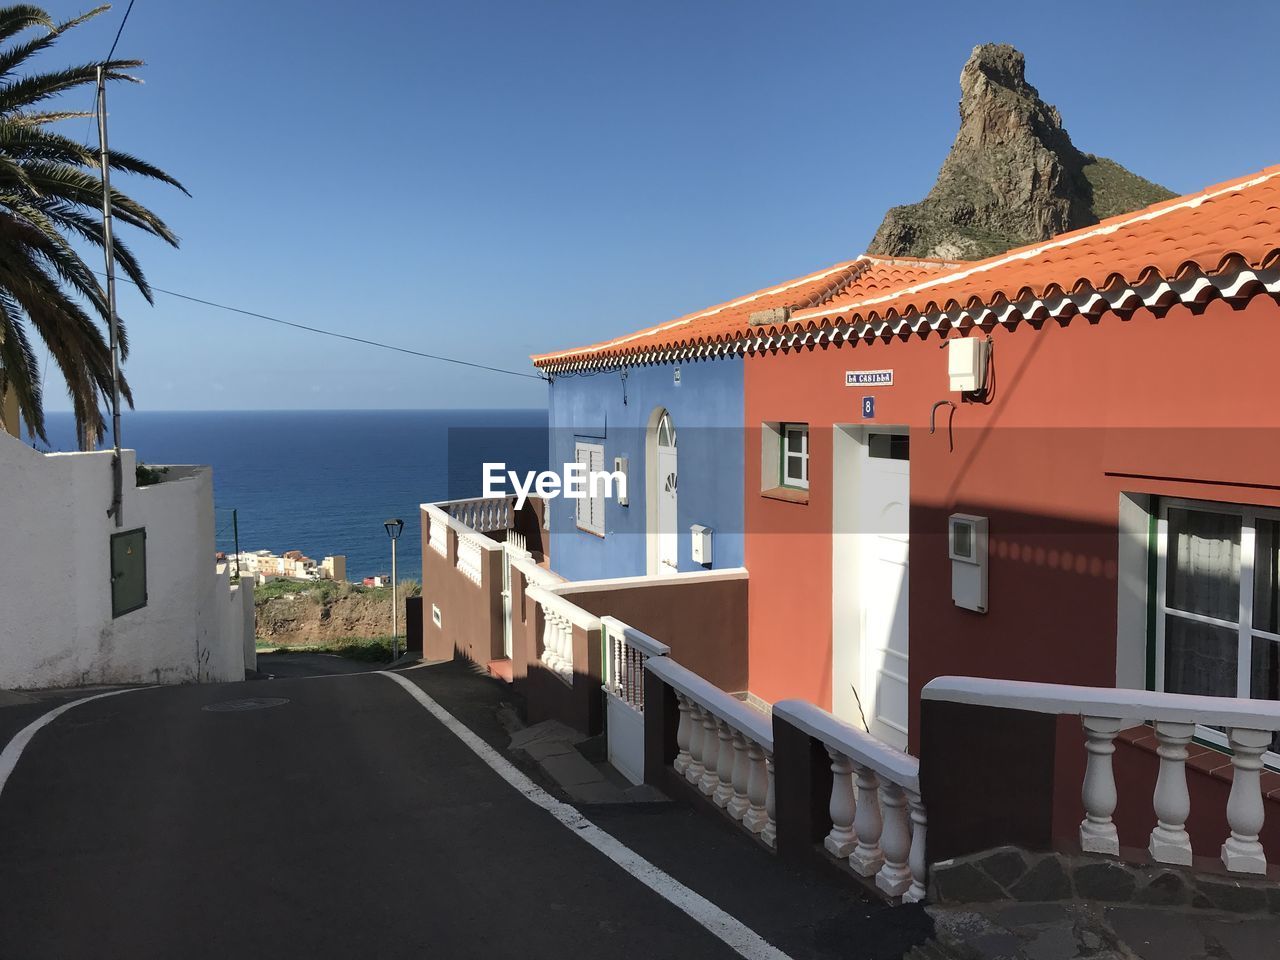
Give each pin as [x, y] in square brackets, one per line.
[1013, 176]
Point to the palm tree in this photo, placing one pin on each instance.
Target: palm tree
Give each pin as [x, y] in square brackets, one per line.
[50, 202]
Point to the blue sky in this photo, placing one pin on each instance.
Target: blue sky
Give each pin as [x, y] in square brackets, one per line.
[489, 179]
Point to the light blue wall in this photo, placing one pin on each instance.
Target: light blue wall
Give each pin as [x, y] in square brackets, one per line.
[707, 409]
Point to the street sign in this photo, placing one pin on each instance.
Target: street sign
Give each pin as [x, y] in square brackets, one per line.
[868, 378]
[868, 408]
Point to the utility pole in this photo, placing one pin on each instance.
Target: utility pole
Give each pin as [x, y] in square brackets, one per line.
[108, 249]
[395, 612]
[235, 533]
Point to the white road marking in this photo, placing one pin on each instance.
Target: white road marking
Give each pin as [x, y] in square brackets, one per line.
[13, 749]
[737, 935]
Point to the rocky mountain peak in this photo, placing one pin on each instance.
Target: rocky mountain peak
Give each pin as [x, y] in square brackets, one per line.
[1013, 176]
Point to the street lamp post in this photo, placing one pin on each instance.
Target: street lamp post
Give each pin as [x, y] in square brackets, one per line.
[394, 527]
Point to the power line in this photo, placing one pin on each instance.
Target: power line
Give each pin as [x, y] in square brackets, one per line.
[123, 21]
[340, 336]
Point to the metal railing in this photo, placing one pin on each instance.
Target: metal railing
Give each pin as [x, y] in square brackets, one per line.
[626, 650]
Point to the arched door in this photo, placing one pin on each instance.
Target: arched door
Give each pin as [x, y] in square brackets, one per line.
[662, 524]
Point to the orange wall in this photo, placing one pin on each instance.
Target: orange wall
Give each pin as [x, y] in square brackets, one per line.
[1080, 414]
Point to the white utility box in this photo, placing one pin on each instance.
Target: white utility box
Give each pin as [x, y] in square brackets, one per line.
[967, 363]
[620, 467]
[967, 545]
[701, 547]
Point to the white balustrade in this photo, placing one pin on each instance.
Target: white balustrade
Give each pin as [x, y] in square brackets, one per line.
[483, 514]
[841, 840]
[724, 747]
[560, 618]
[1242, 853]
[1169, 840]
[1106, 711]
[878, 820]
[470, 558]
[438, 535]
[625, 652]
[1098, 792]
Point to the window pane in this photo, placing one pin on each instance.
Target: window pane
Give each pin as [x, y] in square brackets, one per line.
[795, 467]
[1204, 563]
[889, 446]
[1264, 680]
[1199, 658]
[1266, 566]
[795, 440]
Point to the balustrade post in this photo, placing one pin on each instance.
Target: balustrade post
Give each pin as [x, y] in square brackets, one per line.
[1097, 832]
[1169, 840]
[867, 858]
[724, 766]
[682, 734]
[757, 815]
[894, 877]
[710, 755]
[916, 859]
[1242, 853]
[740, 803]
[770, 832]
[693, 772]
[841, 840]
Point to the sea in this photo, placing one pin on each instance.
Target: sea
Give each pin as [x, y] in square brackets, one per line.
[323, 482]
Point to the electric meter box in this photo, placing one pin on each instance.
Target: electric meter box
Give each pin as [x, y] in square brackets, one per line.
[967, 546]
[701, 547]
[620, 467]
[967, 363]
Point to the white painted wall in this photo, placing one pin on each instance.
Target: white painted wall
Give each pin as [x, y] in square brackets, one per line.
[56, 627]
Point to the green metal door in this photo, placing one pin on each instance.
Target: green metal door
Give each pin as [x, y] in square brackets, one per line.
[128, 571]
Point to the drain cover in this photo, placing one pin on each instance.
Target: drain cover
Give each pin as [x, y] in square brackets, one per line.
[248, 703]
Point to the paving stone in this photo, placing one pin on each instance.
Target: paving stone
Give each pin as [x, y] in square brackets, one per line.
[1004, 865]
[1158, 934]
[644, 793]
[997, 946]
[1027, 914]
[546, 730]
[597, 792]
[1232, 895]
[1104, 881]
[963, 883]
[571, 770]
[542, 750]
[1167, 889]
[1244, 939]
[1054, 942]
[1047, 880]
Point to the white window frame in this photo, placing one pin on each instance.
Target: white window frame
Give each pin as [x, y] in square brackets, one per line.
[1245, 631]
[589, 509]
[785, 455]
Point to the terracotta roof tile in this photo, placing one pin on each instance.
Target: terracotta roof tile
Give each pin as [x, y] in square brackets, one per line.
[1217, 230]
[863, 277]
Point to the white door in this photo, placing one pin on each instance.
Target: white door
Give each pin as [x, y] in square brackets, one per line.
[885, 502]
[871, 687]
[668, 536]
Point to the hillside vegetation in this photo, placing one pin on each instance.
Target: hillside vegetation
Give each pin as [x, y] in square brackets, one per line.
[325, 613]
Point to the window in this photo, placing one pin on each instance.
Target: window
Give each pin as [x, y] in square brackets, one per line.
[1217, 609]
[589, 510]
[795, 455]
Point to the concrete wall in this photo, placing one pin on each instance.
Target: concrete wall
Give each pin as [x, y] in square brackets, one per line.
[706, 407]
[702, 618]
[56, 627]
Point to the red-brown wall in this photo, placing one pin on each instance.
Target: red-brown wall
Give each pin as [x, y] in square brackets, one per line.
[470, 614]
[1177, 405]
[1081, 413]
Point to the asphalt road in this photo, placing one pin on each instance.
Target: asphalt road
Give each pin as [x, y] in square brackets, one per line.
[345, 822]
